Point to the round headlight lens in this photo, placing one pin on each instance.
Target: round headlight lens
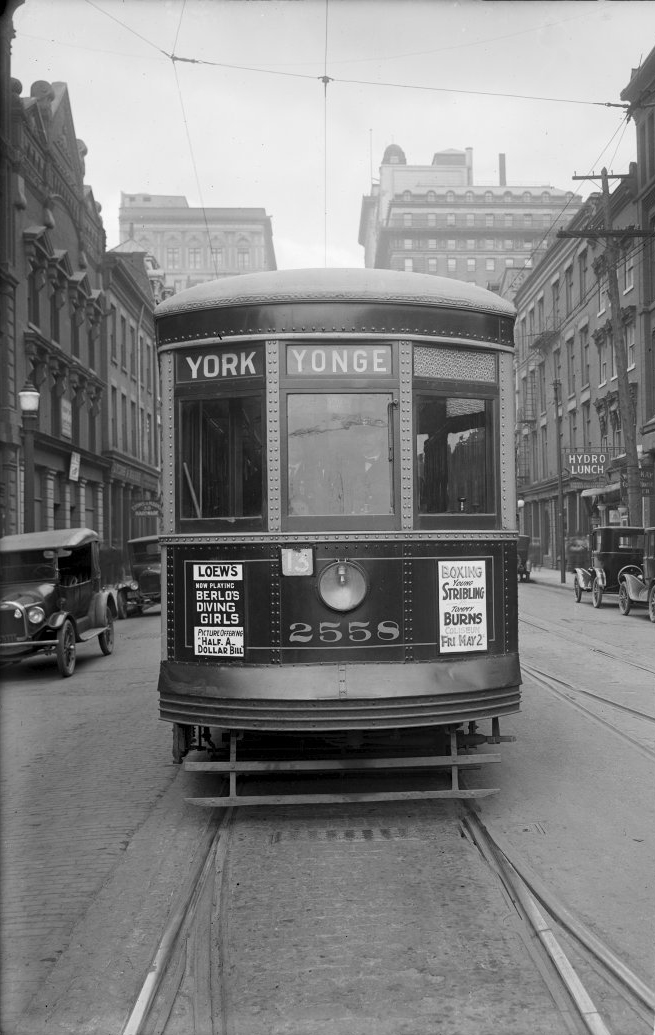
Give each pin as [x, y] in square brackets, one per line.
[342, 586]
[35, 615]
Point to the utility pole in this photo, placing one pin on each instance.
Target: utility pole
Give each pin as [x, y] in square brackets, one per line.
[557, 384]
[628, 423]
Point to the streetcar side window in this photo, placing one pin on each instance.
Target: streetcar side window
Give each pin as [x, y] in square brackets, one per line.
[454, 447]
[221, 462]
[340, 454]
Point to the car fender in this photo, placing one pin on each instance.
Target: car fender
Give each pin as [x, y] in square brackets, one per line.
[102, 601]
[110, 595]
[585, 577]
[56, 621]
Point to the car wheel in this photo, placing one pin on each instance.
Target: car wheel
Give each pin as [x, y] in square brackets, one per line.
[597, 593]
[651, 603]
[577, 589]
[66, 649]
[121, 605]
[624, 599]
[106, 638]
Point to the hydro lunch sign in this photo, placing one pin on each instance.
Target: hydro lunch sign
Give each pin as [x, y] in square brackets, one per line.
[587, 464]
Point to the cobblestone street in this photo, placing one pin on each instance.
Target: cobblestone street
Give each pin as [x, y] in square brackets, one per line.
[84, 761]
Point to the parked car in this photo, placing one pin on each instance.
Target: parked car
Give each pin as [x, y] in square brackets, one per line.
[145, 564]
[524, 564]
[611, 548]
[637, 582]
[51, 598]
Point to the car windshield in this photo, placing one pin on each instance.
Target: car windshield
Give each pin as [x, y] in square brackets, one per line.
[146, 553]
[27, 566]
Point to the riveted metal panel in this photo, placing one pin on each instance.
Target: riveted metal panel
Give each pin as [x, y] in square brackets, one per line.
[168, 443]
[274, 456]
[507, 404]
[406, 436]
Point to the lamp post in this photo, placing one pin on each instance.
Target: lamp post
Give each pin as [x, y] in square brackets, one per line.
[29, 399]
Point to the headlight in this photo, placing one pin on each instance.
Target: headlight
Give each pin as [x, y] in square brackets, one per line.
[35, 615]
[342, 586]
[134, 585]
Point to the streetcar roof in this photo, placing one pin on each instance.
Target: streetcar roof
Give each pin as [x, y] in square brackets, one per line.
[55, 539]
[345, 285]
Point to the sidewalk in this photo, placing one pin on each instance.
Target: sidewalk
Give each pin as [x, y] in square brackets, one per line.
[551, 577]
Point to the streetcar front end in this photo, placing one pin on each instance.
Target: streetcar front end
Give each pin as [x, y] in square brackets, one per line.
[339, 542]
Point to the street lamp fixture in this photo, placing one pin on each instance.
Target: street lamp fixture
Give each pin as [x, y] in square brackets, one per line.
[29, 399]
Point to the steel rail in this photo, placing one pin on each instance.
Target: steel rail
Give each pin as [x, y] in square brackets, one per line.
[593, 650]
[587, 1011]
[186, 901]
[589, 693]
[575, 927]
[546, 681]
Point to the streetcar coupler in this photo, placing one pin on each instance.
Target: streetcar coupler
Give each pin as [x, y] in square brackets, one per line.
[472, 738]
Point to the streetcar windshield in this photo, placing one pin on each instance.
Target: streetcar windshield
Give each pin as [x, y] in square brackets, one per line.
[455, 460]
[221, 474]
[340, 454]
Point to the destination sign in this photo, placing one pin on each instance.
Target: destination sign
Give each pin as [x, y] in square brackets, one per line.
[339, 360]
[228, 365]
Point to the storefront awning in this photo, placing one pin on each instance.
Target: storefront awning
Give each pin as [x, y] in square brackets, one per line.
[613, 489]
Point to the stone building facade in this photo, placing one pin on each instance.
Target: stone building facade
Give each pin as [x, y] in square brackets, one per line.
[435, 219]
[569, 421]
[193, 245]
[570, 424]
[77, 323]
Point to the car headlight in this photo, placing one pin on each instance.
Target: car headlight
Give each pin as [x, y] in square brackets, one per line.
[342, 586]
[35, 615]
[134, 585]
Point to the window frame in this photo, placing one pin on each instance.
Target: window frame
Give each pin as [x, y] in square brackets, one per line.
[423, 387]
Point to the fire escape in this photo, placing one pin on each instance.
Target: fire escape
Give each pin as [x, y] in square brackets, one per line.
[526, 416]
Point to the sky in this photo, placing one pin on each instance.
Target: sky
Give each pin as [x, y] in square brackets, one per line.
[224, 101]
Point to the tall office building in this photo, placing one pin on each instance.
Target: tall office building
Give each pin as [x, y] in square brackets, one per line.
[435, 219]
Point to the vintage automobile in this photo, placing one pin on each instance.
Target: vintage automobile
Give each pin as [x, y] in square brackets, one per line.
[524, 564]
[637, 582]
[611, 548]
[50, 596]
[145, 564]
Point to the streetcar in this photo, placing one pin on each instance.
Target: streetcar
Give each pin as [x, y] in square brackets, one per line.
[339, 542]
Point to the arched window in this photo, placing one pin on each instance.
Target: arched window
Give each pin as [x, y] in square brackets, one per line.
[450, 197]
[527, 197]
[407, 195]
[469, 197]
[545, 197]
[488, 196]
[431, 197]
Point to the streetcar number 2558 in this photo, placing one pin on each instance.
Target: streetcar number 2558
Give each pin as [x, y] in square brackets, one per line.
[331, 632]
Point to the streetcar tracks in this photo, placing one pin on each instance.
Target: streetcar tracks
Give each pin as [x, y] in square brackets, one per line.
[548, 682]
[530, 892]
[594, 650]
[189, 987]
[185, 941]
